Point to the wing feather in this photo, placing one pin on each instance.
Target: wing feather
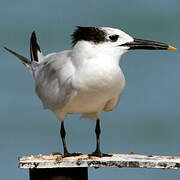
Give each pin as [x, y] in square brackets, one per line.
[54, 81]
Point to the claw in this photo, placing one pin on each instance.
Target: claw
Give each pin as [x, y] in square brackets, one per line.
[99, 154]
[67, 154]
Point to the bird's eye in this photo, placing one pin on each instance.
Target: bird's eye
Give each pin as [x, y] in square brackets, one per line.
[114, 38]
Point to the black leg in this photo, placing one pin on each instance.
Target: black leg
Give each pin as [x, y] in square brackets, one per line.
[63, 135]
[97, 152]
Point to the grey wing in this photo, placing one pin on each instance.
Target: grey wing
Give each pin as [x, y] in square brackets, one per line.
[53, 80]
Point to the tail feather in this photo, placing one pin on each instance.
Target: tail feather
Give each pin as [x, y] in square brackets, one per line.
[35, 53]
[34, 48]
[23, 59]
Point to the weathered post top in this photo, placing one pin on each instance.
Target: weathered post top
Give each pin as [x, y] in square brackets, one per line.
[116, 160]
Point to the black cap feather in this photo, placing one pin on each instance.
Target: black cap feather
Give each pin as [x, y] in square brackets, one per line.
[93, 34]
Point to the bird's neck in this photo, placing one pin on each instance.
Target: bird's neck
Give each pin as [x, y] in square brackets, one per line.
[86, 52]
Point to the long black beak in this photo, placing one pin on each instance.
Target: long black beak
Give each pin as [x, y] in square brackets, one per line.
[148, 45]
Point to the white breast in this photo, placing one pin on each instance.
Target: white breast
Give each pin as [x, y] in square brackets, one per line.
[98, 85]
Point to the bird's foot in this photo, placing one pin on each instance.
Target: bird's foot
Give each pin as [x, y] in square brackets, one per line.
[67, 154]
[56, 153]
[99, 154]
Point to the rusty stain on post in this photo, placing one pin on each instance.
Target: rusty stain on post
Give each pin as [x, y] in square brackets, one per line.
[116, 160]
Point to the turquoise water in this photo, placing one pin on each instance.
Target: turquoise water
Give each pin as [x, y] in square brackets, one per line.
[147, 119]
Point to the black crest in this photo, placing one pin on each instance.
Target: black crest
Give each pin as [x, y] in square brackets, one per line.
[93, 34]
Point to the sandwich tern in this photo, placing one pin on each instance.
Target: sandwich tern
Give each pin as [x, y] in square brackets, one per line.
[87, 79]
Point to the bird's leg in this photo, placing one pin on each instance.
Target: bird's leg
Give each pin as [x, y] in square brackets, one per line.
[97, 152]
[63, 135]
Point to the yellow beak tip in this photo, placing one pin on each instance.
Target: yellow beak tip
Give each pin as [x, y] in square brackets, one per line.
[171, 48]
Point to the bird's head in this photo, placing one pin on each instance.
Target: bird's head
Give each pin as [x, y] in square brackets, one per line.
[111, 41]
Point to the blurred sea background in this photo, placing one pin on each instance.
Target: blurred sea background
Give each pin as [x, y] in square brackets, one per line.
[147, 120]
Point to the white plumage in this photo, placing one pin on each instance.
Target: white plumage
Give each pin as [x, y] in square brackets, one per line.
[87, 79]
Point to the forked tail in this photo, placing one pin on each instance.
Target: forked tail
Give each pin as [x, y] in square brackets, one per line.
[35, 52]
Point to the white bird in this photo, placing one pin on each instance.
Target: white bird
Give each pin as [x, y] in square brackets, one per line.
[87, 79]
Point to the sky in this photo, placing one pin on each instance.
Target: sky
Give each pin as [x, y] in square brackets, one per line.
[146, 121]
